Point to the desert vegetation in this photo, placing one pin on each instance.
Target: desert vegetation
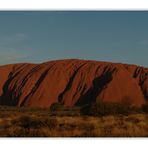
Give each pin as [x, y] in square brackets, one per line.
[102, 119]
[101, 108]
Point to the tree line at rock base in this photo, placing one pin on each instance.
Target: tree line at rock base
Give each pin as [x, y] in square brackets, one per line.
[100, 108]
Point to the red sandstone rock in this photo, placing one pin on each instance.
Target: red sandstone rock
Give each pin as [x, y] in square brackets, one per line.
[71, 82]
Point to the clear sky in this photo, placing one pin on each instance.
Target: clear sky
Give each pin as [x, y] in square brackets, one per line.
[104, 36]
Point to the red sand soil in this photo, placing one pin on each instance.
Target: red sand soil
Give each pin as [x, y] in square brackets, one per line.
[71, 82]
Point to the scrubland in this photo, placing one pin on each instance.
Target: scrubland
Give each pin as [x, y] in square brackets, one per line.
[25, 122]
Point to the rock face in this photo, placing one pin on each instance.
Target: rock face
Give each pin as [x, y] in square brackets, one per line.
[72, 82]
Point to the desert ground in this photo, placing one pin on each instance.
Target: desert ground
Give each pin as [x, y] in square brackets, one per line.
[27, 122]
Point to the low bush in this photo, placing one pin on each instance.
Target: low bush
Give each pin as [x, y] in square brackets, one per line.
[145, 108]
[99, 109]
[51, 123]
[56, 107]
[109, 108]
[28, 122]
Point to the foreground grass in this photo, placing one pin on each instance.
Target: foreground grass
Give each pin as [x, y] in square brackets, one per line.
[40, 123]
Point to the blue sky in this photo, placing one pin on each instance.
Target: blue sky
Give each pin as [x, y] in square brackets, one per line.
[104, 36]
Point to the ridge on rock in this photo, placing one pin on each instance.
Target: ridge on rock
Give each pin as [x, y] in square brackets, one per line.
[72, 82]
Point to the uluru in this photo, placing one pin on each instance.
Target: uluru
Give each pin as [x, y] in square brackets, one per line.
[72, 82]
